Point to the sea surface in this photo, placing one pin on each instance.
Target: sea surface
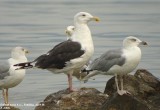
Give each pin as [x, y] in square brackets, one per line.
[38, 25]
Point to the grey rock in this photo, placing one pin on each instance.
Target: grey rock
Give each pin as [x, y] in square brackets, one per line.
[124, 102]
[9, 108]
[143, 86]
[144, 89]
[84, 99]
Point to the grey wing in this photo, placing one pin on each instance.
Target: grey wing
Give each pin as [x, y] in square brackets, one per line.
[92, 64]
[4, 69]
[107, 60]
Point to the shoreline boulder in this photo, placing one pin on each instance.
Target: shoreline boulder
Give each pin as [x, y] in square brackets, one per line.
[143, 86]
[84, 99]
[124, 102]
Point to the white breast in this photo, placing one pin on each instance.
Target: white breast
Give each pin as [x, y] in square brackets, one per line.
[16, 76]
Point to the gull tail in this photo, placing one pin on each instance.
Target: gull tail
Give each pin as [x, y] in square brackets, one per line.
[25, 65]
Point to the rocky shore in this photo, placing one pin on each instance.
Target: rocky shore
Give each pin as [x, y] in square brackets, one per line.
[143, 86]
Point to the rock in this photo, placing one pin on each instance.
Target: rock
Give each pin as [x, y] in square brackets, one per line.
[148, 78]
[84, 99]
[9, 108]
[135, 86]
[124, 102]
[143, 86]
[144, 89]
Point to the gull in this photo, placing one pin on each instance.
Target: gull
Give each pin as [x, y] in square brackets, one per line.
[69, 31]
[118, 61]
[9, 77]
[77, 72]
[68, 55]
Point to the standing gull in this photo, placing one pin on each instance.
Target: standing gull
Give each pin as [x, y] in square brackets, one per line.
[70, 54]
[9, 77]
[77, 72]
[118, 62]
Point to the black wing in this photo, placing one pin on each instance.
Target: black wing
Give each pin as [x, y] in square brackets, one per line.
[59, 55]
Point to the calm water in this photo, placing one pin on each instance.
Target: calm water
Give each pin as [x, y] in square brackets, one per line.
[39, 25]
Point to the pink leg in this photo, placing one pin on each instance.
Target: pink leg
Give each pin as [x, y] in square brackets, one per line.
[70, 82]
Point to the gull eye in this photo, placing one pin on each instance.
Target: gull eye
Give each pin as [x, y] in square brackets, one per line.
[83, 15]
[73, 29]
[134, 40]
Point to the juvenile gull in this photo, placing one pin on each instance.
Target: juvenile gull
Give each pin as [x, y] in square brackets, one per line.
[118, 61]
[9, 77]
[69, 31]
[71, 54]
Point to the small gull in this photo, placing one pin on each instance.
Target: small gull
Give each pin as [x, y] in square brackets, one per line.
[68, 55]
[77, 72]
[69, 31]
[9, 77]
[118, 61]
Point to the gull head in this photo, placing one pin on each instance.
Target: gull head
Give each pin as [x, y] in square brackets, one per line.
[19, 52]
[132, 41]
[84, 18]
[69, 30]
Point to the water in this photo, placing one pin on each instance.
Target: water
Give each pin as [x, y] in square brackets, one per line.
[39, 25]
